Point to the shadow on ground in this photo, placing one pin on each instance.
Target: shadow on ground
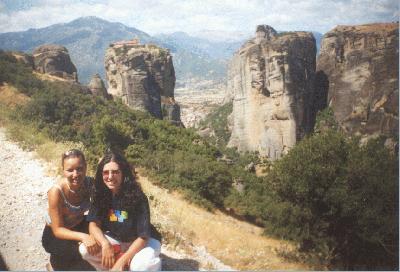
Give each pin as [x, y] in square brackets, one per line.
[171, 264]
[3, 265]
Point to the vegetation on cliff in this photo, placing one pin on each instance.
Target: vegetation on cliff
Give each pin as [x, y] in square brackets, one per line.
[336, 198]
[217, 121]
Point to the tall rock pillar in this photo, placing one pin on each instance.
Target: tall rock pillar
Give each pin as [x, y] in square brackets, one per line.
[144, 77]
[270, 81]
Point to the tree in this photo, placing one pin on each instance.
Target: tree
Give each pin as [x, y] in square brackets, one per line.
[339, 200]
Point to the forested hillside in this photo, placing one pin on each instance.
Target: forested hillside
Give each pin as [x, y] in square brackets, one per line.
[337, 198]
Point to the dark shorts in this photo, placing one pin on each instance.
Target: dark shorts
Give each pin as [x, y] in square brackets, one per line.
[64, 254]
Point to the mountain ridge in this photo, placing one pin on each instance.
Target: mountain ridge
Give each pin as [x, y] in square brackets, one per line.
[196, 58]
[87, 39]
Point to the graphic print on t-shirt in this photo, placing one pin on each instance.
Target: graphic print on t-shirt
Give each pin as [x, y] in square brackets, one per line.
[117, 215]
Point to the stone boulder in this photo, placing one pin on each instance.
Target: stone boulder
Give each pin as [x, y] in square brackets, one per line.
[144, 77]
[359, 68]
[96, 86]
[270, 80]
[54, 60]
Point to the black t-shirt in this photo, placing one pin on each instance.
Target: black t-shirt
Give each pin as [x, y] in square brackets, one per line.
[123, 223]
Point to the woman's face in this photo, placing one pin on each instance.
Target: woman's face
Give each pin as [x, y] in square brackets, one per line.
[112, 177]
[74, 171]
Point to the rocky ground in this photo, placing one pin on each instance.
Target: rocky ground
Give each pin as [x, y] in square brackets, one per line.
[196, 104]
[23, 201]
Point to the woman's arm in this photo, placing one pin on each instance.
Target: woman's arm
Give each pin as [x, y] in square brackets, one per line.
[126, 258]
[107, 251]
[57, 222]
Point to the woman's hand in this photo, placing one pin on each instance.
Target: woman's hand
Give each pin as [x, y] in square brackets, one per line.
[91, 244]
[107, 255]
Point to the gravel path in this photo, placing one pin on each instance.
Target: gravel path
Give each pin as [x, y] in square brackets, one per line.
[23, 199]
[23, 202]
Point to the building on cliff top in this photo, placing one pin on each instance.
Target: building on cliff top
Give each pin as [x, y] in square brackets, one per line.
[133, 42]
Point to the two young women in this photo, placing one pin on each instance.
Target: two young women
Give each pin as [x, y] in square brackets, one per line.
[118, 218]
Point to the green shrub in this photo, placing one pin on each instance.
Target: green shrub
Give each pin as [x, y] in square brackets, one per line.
[338, 200]
[325, 120]
[217, 120]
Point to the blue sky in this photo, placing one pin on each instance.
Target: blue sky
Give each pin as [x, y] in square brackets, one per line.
[195, 16]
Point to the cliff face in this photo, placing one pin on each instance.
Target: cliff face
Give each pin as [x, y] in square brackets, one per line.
[54, 60]
[144, 77]
[360, 67]
[270, 81]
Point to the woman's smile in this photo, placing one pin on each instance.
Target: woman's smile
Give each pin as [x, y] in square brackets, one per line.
[112, 177]
[74, 172]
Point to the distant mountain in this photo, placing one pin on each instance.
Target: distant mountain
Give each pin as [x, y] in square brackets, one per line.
[199, 57]
[201, 46]
[223, 36]
[87, 38]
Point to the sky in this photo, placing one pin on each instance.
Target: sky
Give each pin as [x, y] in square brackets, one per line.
[196, 16]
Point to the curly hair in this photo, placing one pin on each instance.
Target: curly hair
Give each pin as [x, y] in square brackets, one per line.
[131, 192]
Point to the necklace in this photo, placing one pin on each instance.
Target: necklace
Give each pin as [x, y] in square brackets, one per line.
[72, 191]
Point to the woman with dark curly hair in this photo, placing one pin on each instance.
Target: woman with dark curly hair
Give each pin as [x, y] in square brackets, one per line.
[120, 220]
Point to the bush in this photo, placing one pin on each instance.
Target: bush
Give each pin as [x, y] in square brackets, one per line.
[339, 200]
[325, 120]
[217, 120]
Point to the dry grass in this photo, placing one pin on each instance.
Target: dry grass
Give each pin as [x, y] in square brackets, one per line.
[10, 97]
[26, 135]
[48, 77]
[51, 153]
[261, 170]
[236, 243]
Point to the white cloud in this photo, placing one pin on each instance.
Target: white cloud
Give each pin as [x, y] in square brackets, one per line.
[157, 16]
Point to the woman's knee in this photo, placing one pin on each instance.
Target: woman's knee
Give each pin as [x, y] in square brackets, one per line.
[147, 258]
[152, 250]
[145, 264]
[83, 251]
